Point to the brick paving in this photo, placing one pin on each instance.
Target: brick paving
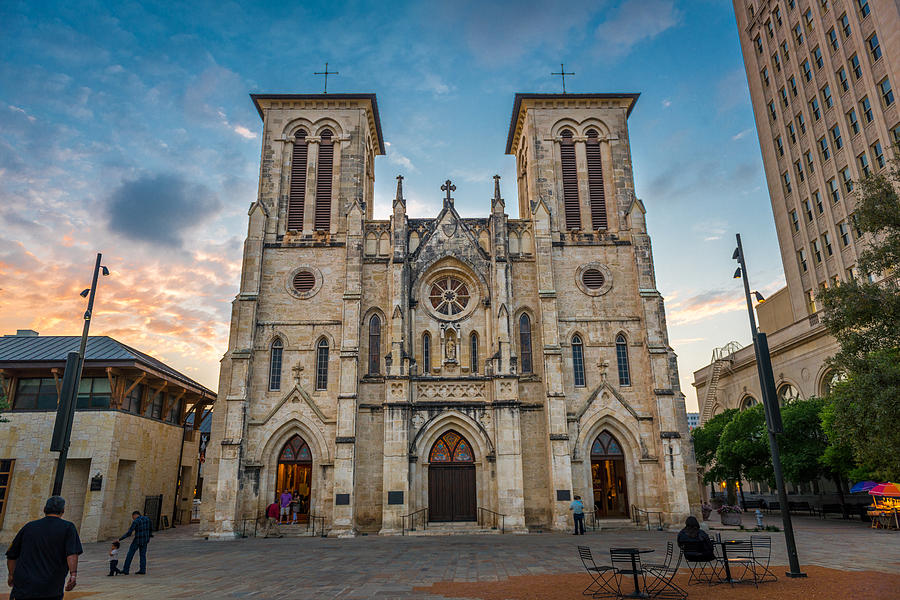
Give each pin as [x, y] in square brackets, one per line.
[184, 566]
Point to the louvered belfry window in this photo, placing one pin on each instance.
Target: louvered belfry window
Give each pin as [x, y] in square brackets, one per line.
[595, 181]
[323, 182]
[570, 181]
[298, 182]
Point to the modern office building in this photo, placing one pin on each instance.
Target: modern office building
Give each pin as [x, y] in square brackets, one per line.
[822, 77]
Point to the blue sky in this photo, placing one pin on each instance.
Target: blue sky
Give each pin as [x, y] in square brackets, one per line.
[127, 128]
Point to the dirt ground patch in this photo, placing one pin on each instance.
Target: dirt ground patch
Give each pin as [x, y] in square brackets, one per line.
[821, 584]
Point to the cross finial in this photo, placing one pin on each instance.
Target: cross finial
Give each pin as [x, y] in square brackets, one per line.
[562, 73]
[326, 73]
[448, 187]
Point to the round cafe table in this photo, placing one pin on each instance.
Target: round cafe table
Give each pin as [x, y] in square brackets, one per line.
[635, 571]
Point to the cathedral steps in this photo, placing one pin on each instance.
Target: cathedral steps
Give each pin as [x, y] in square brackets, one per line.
[461, 528]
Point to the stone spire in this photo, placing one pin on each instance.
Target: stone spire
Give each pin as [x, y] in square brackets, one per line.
[399, 197]
[497, 203]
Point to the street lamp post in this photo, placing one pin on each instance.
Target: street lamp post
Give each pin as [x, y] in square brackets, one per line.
[772, 411]
[62, 430]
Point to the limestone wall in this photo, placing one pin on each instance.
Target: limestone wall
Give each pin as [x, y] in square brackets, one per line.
[137, 457]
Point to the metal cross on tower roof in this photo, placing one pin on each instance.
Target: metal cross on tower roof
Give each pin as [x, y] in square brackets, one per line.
[326, 73]
[448, 187]
[562, 73]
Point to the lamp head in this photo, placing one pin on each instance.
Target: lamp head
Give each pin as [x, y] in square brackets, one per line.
[759, 297]
[84, 293]
[737, 273]
[105, 271]
[737, 254]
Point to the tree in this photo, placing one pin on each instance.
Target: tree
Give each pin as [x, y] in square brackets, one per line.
[706, 443]
[744, 447]
[864, 317]
[803, 442]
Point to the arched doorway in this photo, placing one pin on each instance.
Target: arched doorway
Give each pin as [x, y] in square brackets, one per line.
[294, 473]
[451, 479]
[608, 477]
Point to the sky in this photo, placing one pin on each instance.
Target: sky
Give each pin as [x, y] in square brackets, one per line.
[127, 128]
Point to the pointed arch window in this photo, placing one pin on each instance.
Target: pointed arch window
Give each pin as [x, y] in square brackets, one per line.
[569, 180]
[595, 180]
[297, 194]
[473, 352]
[322, 364]
[525, 343]
[374, 345]
[578, 361]
[451, 447]
[426, 353]
[275, 365]
[622, 360]
[324, 173]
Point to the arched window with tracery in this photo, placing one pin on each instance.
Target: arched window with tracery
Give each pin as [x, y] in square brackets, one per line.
[595, 180]
[322, 364]
[324, 173]
[426, 353]
[297, 193]
[569, 180]
[622, 360]
[525, 343]
[578, 361]
[451, 447]
[374, 345]
[787, 393]
[747, 402]
[275, 364]
[473, 352]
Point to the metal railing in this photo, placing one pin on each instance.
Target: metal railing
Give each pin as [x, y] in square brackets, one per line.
[725, 351]
[489, 518]
[410, 522]
[314, 524]
[639, 515]
[247, 524]
[590, 520]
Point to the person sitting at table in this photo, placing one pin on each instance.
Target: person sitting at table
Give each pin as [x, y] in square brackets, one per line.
[697, 539]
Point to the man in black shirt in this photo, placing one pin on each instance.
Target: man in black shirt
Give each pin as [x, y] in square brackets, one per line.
[42, 553]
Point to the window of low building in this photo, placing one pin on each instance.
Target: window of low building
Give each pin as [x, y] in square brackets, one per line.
[36, 393]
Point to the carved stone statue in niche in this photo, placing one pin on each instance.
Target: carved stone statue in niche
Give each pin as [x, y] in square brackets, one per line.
[450, 346]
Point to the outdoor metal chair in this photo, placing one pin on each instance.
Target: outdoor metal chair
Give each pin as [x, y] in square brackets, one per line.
[762, 552]
[628, 569]
[663, 585]
[740, 554]
[603, 576]
[701, 561]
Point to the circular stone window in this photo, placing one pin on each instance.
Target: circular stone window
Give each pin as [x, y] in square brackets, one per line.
[304, 282]
[593, 279]
[449, 296]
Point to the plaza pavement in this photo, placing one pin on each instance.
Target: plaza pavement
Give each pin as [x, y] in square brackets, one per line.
[182, 565]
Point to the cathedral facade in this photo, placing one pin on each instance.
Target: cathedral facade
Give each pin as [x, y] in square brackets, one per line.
[450, 368]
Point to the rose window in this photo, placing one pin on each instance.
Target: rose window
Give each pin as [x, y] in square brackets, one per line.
[449, 296]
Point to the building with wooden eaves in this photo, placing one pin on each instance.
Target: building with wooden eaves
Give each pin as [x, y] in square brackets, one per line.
[130, 447]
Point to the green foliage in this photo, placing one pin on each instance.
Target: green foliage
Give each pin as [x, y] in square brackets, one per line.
[744, 446]
[866, 413]
[706, 443]
[804, 442]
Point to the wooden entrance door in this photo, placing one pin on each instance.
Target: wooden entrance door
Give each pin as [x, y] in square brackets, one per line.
[451, 479]
[608, 477]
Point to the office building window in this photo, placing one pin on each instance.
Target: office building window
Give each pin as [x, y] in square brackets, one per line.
[833, 39]
[834, 190]
[795, 221]
[817, 198]
[855, 67]
[810, 167]
[814, 107]
[845, 25]
[874, 47]
[827, 100]
[854, 122]
[823, 148]
[887, 94]
[863, 161]
[844, 233]
[844, 81]
[848, 180]
[801, 258]
[866, 108]
[878, 153]
[836, 138]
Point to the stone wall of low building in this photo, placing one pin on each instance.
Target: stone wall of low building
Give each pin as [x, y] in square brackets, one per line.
[136, 456]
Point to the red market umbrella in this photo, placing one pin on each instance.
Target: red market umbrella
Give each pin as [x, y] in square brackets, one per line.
[886, 489]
